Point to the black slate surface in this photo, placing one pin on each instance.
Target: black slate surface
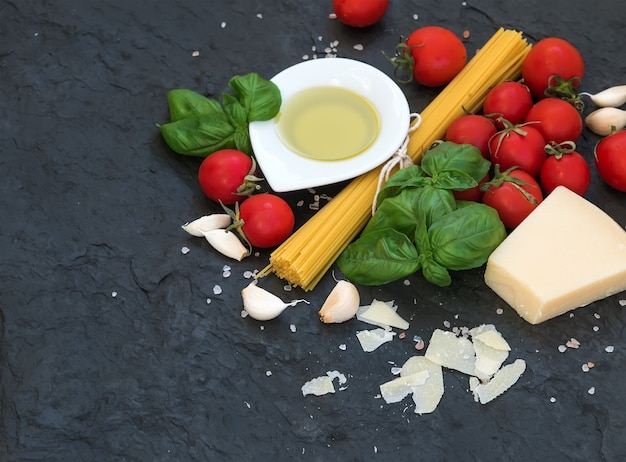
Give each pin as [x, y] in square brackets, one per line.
[109, 347]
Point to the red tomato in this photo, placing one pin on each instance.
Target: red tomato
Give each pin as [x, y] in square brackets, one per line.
[548, 58]
[518, 146]
[513, 201]
[559, 121]
[267, 220]
[610, 159]
[222, 173]
[509, 100]
[568, 169]
[438, 54]
[472, 129]
[360, 13]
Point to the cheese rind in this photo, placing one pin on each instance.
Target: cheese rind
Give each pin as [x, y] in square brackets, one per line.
[566, 254]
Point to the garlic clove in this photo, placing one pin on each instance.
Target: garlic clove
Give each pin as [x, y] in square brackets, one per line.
[342, 303]
[263, 305]
[227, 243]
[206, 223]
[611, 97]
[604, 120]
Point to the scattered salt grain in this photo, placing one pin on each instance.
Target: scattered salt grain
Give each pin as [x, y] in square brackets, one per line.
[217, 289]
[596, 315]
[292, 327]
[358, 47]
[609, 349]
[248, 274]
[446, 324]
[622, 303]
[562, 348]
[300, 203]
[416, 16]
[396, 370]
[573, 343]
[406, 282]
[259, 15]
[585, 367]
[113, 294]
[268, 373]
[287, 288]
[247, 404]
[342, 347]
[208, 301]
[466, 34]
[592, 390]
[499, 311]
[195, 53]
[332, 16]
[185, 250]
[596, 328]
[552, 399]
[244, 314]
[223, 25]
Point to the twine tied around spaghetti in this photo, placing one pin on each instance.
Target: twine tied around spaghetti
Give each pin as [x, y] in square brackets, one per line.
[399, 158]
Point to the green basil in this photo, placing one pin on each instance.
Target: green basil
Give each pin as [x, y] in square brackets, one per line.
[452, 165]
[407, 177]
[379, 257]
[200, 126]
[464, 238]
[260, 98]
[199, 136]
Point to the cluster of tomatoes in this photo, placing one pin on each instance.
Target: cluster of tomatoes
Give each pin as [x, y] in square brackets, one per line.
[228, 176]
[528, 130]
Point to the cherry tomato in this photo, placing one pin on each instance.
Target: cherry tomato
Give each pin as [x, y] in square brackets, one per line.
[568, 169]
[224, 172]
[610, 159]
[558, 120]
[267, 220]
[438, 54]
[509, 100]
[472, 129]
[518, 146]
[513, 201]
[552, 57]
[360, 13]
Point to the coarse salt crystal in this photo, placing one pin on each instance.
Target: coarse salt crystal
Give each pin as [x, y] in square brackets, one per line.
[358, 47]
[268, 373]
[208, 301]
[406, 282]
[499, 311]
[416, 16]
[342, 347]
[113, 294]
[585, 367]
[332, 16]
[292, 327]
[259, 15]
[185, 250]
[596, 315]
[609, 349]
[573, 343]
[223, 25]
[592, 390]
[552, 399]
[195, 53]
[562, 348]
[217, 289]
[596, 328]
[622, 303]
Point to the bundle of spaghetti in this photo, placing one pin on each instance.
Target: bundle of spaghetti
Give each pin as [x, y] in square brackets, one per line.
[310, 251]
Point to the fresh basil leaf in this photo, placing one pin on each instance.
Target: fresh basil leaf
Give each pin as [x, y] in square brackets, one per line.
[199, 136]
[430, 203]
[454, 179]
[379, 258]
[260, 98]
[242, 140]
[396, 213]
[408, 177]
[435, 273]
[448, 156]
[185, 103]
[235, 112]
[464, 238]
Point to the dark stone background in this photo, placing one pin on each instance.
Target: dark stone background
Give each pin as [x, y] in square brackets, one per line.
[92, 202]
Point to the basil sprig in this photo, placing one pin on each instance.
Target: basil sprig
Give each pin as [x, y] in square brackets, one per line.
[200, 126]
[419, 225]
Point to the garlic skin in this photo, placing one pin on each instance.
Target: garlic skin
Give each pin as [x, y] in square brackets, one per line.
[604, 120]
[227, 243]
[341, 304]
[611, 97]
[263, 305]
[206, 223]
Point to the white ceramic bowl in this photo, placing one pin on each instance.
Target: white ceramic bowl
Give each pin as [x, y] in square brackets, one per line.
[285, 170]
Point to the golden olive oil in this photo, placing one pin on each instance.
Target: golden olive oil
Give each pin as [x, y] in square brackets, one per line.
[328, 123]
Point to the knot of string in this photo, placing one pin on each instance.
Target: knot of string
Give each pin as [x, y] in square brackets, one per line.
[400, 159]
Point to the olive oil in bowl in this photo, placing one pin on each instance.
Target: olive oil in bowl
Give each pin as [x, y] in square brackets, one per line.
[328, 123]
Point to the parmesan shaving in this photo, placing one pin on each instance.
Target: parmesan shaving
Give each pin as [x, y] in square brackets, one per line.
[448, 350]
[372, 339]
[504, 379]
[381, 314]
[397, 389]
[323, 385]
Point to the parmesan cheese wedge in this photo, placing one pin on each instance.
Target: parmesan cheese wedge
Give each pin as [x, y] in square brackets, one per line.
[382, 315]
[566, 254]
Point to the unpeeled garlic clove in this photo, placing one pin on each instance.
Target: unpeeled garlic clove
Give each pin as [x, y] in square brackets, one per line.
[611, 97]
[206, 223]
[605, 120]
[227, 243]
[341, 304]
[263, 305]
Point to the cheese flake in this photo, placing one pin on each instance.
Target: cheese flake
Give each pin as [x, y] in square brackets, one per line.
[381, 314]
[372, 339]
[448, 350]
[504, 379]
[399, 388]
[427, 395]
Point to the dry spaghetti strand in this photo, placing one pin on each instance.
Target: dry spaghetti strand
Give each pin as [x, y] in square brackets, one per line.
[309, 253]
